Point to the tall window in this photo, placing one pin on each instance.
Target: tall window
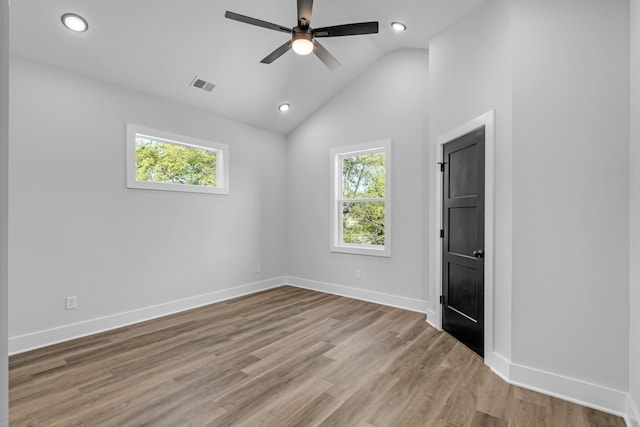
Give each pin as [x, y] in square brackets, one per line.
[360, 220]
[158, 160]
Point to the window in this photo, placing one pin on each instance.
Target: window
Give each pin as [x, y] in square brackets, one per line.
[360, 217]
[158, 160]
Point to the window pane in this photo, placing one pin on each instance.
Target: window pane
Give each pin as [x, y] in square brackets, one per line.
[363, 176]
[363, 223]
[173, 163]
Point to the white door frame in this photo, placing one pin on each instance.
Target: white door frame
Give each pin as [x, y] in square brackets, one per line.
[488, 121]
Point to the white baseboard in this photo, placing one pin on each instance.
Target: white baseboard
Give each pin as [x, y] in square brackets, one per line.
[22, 343]
[432, 319]
[573, 390]
[405, 303]
[633, 415]
[499, 365]
[583, 393]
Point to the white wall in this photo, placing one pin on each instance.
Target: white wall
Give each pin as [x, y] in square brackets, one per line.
[469, 75]
[571, 189]
[557, 74]
[387, 101]
[634, 297]
[77, 230]
[4, 166]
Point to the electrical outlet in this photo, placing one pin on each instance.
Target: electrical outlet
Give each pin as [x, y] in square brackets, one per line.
[70, 303]
[358, 274]
[258, 268]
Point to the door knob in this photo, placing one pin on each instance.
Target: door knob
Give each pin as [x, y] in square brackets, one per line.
[478, 253]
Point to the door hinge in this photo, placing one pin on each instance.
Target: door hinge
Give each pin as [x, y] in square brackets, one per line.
[441, 299]
[442, 233]
[442, 166]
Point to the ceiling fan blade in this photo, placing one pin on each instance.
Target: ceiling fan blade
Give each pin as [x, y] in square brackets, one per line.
[277, 53]
[325, 56]
[257, 22]
[304, 13]
[347, 30]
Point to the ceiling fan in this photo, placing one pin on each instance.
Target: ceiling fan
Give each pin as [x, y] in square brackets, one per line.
[303, 37]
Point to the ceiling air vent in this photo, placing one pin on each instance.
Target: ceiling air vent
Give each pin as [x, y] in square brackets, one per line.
[202, 84]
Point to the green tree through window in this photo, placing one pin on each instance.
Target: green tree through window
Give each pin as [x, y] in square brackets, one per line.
[363, 192]
[164, 162]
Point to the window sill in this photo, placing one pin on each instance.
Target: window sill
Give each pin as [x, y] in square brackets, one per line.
[161, 186]
[360, 250]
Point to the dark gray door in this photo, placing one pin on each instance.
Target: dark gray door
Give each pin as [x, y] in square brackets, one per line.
[463, 241]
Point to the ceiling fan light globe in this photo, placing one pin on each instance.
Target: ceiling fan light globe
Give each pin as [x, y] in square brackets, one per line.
[302, 46]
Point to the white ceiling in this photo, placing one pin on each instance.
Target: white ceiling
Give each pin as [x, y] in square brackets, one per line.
[159, 46]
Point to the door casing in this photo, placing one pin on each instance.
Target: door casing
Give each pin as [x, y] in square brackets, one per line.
[488, 121]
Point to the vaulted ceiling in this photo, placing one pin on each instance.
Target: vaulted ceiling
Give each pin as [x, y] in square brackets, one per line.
[159, 46]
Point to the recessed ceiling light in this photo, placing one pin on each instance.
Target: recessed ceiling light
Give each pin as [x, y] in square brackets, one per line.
[75, 22]
[398, 26]
[284, 107]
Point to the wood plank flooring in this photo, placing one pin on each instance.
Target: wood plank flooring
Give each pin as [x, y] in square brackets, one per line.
[283, 357]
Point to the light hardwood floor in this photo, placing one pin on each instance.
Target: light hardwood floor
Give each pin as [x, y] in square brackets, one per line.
[283, 357]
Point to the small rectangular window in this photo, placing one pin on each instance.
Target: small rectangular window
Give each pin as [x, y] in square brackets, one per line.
[360, 217]
[158, 160]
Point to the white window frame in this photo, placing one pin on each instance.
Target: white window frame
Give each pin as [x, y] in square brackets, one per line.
[336, 219]
[222, 163]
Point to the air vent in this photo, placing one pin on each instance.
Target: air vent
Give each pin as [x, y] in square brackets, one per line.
[197, 82]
